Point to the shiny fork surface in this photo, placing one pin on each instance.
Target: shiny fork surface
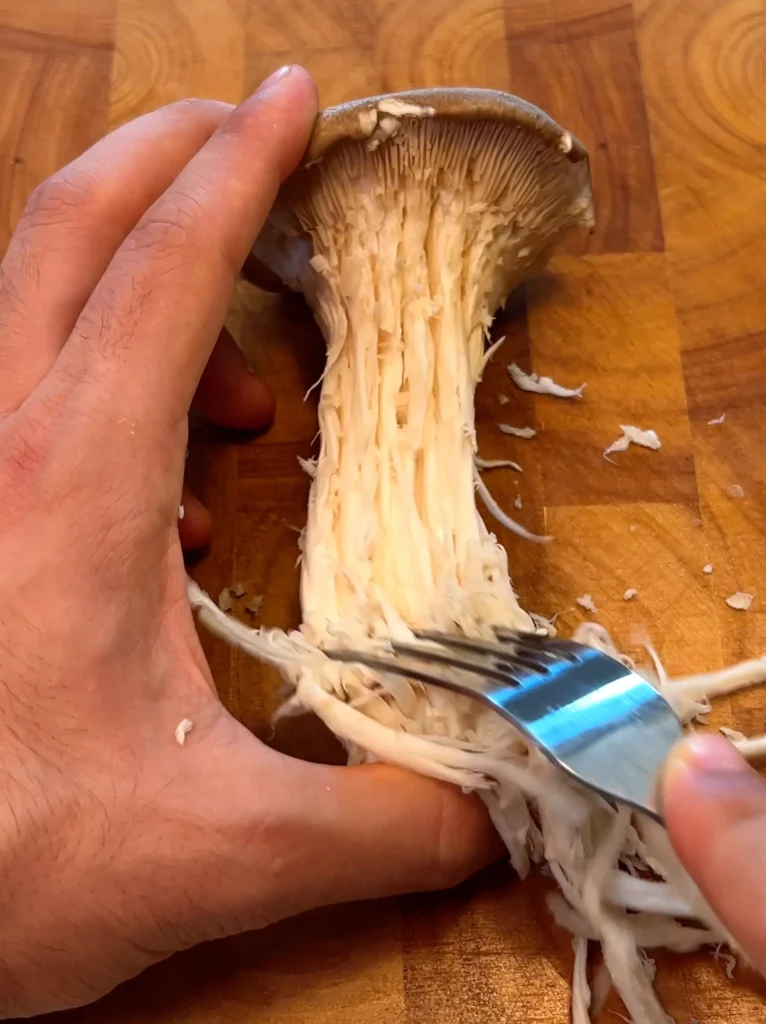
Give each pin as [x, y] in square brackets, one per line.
[600, 722]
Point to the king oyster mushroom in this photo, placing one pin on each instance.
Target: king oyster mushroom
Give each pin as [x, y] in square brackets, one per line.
[411, 219]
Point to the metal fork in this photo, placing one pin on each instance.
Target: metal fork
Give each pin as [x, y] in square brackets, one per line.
[600, 722]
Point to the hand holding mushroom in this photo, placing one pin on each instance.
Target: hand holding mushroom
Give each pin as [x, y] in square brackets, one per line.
[121, 844]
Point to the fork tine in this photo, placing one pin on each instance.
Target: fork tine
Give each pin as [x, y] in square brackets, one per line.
[509, 668]
[554, 647]
[380, 663]
[535, 660]
[408, 668]
[502, 666]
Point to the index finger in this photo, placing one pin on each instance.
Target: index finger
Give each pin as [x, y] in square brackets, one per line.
[144, 337]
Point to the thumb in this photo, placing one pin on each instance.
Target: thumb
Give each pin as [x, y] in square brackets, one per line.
[715, 811]
[376, 830]
[354, 834]
[404, 832]
[267, 836]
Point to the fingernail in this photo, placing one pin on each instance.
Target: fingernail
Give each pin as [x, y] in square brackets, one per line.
[696, 758]
[709, 755]
[706, 775]
[276, 78]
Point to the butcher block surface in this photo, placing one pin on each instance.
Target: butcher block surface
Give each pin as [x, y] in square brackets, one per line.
[661, 311]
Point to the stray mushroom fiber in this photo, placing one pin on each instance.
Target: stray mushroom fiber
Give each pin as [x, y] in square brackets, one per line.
[406, 228]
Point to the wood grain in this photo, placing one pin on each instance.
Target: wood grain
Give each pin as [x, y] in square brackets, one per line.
[579, 61]
[484, 955]
[172, 42]
[626, 351]
[88, 23]
[338, 966]
[661, 311]
[456, 43]
[710, 167]
[345, 73]
[54, 79]
[704, 85]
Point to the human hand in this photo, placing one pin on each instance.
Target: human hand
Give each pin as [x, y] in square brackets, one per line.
[715, 810]
[117, 845]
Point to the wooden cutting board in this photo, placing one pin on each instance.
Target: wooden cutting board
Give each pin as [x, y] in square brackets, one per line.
[662, 312]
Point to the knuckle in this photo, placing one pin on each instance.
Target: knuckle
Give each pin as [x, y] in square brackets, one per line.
[62, 197]
[19, 282]
[162, 235]
[173, 227]
[462, 833]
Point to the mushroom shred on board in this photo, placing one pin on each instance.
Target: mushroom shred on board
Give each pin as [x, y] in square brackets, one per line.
[542, 385]
[633, 435]
[406, 231]
[483, 464]
[523, 432]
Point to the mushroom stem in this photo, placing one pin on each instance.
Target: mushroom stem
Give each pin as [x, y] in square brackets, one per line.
[415, 245]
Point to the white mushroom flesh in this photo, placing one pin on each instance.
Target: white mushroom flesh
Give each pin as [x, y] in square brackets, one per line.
[542, 385]
[417, 255]
[740, 601]
[633, 435]
[525, 432]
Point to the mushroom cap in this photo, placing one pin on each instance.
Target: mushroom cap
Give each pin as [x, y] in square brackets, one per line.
[347, 120]
[376, 121]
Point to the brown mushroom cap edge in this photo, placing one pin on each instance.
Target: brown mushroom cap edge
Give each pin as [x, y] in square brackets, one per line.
[337, 124]
[347, 121]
